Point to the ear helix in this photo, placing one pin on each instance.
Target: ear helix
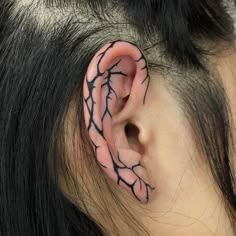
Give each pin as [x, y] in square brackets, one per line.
[98, 110]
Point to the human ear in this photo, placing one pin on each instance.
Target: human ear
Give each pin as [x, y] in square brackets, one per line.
[115, 88]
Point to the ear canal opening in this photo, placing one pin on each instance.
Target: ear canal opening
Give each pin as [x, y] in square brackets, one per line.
[132, 135]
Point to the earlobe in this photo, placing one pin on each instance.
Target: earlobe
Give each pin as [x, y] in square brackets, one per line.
[117, 76]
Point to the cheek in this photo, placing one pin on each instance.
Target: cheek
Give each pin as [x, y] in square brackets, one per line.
[185, 198]
[180, 179]
[185, 192]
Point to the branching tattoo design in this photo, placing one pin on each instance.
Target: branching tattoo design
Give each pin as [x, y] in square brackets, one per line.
[126, 175]
[107, 83]
[147, 77]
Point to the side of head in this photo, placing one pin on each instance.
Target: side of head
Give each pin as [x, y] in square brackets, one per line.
[117, 118]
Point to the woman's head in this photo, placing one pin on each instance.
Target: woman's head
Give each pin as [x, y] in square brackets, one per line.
[117, 117]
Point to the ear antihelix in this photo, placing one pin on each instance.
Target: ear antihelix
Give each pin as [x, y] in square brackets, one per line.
[109, 70]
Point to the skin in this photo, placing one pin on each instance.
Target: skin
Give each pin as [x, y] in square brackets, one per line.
[184, 200]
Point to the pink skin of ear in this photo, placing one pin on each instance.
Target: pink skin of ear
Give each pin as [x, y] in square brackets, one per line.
[116, 71]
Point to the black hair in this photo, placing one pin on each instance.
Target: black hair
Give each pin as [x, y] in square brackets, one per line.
[43, 60]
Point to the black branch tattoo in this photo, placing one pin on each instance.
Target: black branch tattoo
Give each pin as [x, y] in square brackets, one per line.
[107, 83]
[147, 76]
[135, 184]
[138, 180]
